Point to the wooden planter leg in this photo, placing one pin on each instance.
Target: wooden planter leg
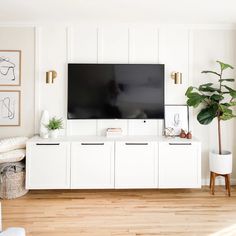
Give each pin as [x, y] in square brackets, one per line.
[213, 183]
[228, 184]
[210, 180]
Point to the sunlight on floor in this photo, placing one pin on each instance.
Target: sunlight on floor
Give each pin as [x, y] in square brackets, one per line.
[229, 231]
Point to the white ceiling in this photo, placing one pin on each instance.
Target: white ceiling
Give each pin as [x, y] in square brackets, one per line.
[161, 11]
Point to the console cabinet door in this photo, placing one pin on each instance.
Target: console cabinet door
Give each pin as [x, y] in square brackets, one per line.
[92, 165]
[136, 165]
[48, 165]
[179, 165]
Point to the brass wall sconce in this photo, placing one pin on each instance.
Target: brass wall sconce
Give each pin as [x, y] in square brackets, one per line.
[177, 77]
[50, 76]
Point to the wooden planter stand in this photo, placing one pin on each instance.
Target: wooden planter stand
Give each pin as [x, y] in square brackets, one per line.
[212, 182]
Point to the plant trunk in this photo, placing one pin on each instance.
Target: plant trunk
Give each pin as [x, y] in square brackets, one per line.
[219, 135]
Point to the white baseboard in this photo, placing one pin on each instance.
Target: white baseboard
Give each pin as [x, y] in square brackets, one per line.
[218, 181]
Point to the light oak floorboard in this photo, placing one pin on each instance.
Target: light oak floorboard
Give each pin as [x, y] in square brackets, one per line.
[123, 212]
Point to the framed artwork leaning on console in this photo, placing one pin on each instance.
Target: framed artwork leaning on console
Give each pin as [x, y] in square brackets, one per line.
[177, 118]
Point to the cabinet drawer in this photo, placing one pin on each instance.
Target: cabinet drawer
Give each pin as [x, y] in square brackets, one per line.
[92, 165]
[48, 165]
[179, 165]
[136, 165]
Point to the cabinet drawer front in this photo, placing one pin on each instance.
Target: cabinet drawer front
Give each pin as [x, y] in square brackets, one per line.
[92, 165]
[48, 165]
[179, 165]
[136, 165]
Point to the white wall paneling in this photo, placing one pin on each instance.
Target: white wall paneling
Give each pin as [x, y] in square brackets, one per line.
[188, 49]
[102, 126]
[81, 127]
[113, 45]
[173, 52]
[53, 56]
[84, 45]
[143, 127]
[143, 45]
[37, 114]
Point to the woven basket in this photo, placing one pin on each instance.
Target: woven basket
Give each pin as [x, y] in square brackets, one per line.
[13, 185]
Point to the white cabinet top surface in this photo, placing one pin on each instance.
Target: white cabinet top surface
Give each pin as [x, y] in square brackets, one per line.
[91, 138]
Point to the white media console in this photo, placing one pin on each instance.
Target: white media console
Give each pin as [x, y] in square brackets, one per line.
[95, 162]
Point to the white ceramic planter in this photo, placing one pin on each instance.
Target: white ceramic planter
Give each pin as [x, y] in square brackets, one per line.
[221, 164]
[54, 133]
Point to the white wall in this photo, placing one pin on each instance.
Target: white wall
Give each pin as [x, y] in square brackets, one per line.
[21, 38]
[187, 49]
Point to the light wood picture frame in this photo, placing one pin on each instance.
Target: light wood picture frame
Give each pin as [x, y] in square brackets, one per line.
[10, 67]
[10, 107]
[177, 118]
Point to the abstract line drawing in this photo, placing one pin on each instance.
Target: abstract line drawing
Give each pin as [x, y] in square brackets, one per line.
[177, 118]
[10, 67]
[7, 68]
[9, 108]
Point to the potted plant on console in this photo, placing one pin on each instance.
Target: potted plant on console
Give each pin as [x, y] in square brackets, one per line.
[53, 127]
[215, 101]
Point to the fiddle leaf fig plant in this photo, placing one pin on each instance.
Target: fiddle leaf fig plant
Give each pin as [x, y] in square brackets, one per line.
[217, 100]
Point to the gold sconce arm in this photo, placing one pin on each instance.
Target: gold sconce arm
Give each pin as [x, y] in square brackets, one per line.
[50, 76]
[177, 77]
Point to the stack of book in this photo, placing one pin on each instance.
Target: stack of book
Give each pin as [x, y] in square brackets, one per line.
[114, 132]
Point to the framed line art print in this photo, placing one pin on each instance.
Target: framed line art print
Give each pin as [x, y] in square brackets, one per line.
[10, 105]
[177, 118]
[10, 67]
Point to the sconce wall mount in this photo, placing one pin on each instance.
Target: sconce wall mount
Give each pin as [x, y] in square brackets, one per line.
[50, 76]
[177, 77]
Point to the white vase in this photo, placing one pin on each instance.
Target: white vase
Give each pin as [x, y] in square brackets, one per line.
[54, 133]
[43, 131]
[221, 164]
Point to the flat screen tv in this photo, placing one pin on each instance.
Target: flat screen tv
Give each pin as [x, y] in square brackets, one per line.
[115, 91]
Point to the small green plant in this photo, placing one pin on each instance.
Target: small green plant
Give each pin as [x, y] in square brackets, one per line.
[54, 124]
[216, 101]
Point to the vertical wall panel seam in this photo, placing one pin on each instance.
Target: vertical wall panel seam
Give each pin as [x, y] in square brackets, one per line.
[158, 59]
[128, 45]
[97, 40]
[100, 45]
[69, 56]
[190, 72]
[36, 78]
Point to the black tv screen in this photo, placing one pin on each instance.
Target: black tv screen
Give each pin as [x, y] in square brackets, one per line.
[115, 91]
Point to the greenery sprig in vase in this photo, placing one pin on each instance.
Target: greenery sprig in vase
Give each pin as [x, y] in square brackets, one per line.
[53, 126]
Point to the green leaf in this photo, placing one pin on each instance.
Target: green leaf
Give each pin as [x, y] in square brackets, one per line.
[208, 89]
[195, 99]
[226, 113]
[232, 92]
[224, 66]
[210, 72]
[189, 90]
[206, 115]
[216, 97]
[207, 85]
[228, 80]
[232, 104]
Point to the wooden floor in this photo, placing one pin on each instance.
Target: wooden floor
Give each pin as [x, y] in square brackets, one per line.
[123, 212]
